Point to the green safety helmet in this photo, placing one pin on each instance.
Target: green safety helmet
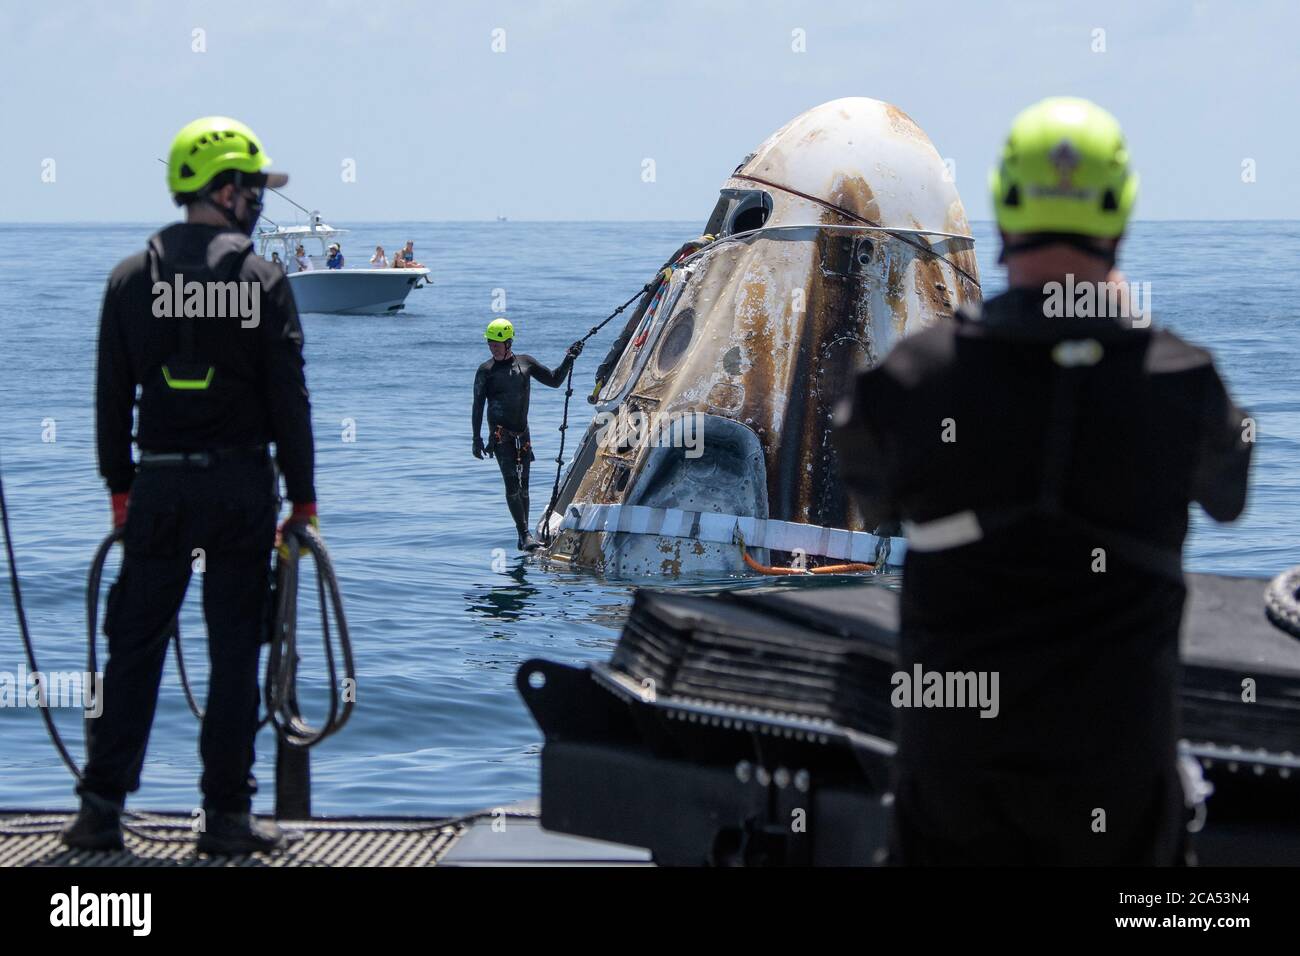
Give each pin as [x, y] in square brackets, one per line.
[1064, 169]
[212, 145]
[499, 330]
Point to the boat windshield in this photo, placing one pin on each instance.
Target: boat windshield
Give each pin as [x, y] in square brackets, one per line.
[284, 242]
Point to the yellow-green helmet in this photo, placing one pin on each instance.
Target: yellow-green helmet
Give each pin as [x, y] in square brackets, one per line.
[1064, 169]
[499, 330]
[213, 145]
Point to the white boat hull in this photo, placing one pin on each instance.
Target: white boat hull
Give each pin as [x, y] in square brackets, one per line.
[355, 291]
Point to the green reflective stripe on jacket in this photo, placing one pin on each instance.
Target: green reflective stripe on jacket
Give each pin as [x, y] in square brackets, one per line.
[194, 384]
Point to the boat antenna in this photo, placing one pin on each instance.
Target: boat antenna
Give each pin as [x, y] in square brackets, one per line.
[276, 191]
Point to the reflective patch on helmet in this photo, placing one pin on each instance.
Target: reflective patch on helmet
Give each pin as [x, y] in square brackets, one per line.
[1063, 191]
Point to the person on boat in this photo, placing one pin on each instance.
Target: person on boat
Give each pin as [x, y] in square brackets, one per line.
[1041, 456]
[277, 261]
[379, 260]
[301, 259]
[408, 255]
[214, 393]
[501, 384]
[398, 261]
[335, 258]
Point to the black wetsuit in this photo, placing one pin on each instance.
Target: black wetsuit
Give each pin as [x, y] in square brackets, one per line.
[210, 497]
[1059, 465]
[503, 387]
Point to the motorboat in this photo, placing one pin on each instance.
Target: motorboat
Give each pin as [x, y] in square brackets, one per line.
[346, 291]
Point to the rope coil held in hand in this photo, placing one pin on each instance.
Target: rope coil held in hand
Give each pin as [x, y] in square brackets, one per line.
[92, 614]
[280, 691]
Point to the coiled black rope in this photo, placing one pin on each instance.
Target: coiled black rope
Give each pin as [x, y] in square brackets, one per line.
[93, 584]
[280, 689]
[26, 634]
[20, 611]
[568, 393]
[1282, 601]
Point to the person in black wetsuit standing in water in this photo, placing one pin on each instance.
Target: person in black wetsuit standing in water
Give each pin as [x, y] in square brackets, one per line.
[501, 383]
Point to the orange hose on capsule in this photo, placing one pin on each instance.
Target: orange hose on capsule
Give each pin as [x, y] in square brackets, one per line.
[825, 569]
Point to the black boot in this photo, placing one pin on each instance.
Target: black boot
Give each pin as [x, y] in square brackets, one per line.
[235, 834]
[527, 542]
[98, 825]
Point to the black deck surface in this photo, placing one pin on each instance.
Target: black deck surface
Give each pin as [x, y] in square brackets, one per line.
[1223, 623]
[1224, 626]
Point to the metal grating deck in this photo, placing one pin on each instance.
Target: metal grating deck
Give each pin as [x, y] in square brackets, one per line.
[165, 839]
[508, 836]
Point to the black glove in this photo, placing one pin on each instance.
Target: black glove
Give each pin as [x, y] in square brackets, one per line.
[478, 447]
[576, 349]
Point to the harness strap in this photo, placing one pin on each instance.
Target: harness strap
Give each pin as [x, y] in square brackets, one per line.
[500, 433]
[187, 350]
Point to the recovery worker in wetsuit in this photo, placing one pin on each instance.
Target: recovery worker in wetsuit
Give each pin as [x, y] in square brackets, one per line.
[1042, 456]
[209, 334]
[501, 383]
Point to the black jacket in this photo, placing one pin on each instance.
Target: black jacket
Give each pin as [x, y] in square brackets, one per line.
[257, 393]
[1047, 463]
[503, 388]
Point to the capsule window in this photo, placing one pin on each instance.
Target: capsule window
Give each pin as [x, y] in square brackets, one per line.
[676, 341]
[750, 212]
[739, 210]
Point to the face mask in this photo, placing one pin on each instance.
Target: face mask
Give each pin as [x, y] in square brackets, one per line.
[254, 205]
[253, 211]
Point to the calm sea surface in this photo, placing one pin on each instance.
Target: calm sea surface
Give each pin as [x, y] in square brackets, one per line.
[412, 520]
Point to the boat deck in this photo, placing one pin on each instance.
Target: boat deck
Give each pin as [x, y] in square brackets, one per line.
[512, 838]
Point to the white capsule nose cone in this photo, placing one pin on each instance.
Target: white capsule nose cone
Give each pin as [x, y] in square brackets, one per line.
[864, 157]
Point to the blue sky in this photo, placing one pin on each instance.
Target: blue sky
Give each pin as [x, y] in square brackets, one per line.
[439, 126]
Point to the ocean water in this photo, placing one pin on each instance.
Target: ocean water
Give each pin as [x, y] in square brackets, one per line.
[441, 609]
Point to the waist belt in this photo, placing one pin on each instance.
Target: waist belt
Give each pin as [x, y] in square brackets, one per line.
[202, 459]
[521, 440]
